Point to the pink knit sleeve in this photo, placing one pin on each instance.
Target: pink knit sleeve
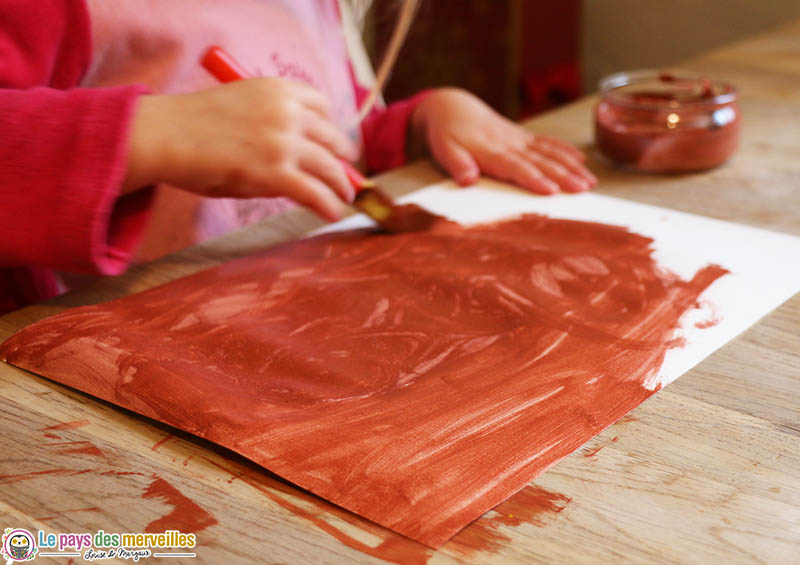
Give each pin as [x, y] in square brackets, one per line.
[62, 162]
[385, 131]
[63, 152]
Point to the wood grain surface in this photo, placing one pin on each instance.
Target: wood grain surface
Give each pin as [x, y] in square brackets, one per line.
[706, 471]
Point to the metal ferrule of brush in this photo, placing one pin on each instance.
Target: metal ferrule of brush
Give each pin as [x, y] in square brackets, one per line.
[373, 204]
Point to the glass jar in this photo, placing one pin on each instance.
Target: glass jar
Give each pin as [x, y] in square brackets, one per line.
[666, 122]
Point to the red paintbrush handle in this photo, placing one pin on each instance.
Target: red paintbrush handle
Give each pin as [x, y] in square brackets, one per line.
[219, 63]
[225, 68]
[359, 181]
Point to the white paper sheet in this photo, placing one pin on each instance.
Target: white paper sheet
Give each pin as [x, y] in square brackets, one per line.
[764, 266]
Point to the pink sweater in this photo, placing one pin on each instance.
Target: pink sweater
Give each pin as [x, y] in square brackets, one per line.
[66, 107]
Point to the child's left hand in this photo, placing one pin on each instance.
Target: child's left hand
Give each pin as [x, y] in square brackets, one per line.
[467, 138]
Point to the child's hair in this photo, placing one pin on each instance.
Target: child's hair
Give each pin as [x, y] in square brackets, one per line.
[359, 8]
[408, 9]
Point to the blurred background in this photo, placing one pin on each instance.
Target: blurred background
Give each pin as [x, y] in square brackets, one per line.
[528, 56]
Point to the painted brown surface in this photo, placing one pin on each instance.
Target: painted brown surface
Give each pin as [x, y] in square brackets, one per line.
[417, 379]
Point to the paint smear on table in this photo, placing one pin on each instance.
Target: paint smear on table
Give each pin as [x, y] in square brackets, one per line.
[186, 516]
[76, 447]
[80, 447]
[5, 479]
[66, 425]
[532, 505]
[595, 450]
[416, 379]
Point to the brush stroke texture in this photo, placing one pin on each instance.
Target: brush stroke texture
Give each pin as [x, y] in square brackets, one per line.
[416, 379]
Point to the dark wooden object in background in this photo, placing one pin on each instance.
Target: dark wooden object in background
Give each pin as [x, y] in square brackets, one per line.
[521, 56]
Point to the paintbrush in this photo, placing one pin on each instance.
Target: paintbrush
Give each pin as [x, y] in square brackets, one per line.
[369, 199]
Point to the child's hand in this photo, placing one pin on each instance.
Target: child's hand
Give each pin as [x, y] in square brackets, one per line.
[259, 137]
[467, 137]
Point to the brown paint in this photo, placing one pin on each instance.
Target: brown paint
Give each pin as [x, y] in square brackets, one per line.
[416, 379]
[6, 479]
[688, 125]
[76, 447]
[705, 324]
[392, 217]
[162, 441]
[186, 515]
[713, 319]
[67, 425]
[594, 451]
[409, 218]
[531, 505]
[481, 536]
[393, 548]
[70, 447]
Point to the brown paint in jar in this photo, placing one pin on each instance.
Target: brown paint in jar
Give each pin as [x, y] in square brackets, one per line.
[666, 122]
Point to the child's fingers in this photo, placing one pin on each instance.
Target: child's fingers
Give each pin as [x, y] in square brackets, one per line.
[512, 167]
[557, 172]
[312, 193]
[327, 134]
[560, 144]
[309, 97]
[320, 163]
[457, 161]
[566, 159]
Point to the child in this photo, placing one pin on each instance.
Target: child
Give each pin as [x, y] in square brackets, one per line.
[83, 169]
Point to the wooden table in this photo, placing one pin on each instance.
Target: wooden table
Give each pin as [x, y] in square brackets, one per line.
[707, 470]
